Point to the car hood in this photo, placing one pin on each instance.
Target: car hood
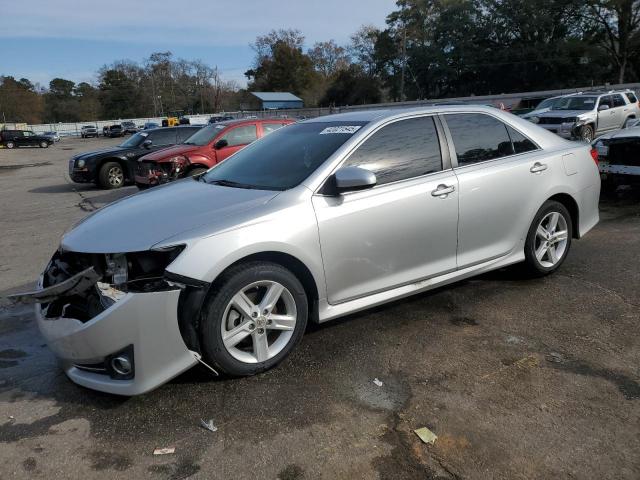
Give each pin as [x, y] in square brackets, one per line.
[167, 153]
[141, 221]
[103, 152]
[563, 113]
[624, 133]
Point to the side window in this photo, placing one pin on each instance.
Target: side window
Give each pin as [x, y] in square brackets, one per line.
[606, 100]
[478, 137]
[632, 98]
[618, 101]
[267, 128]
[163, 137]
[521, 144]
[401, 150]
[241, 135]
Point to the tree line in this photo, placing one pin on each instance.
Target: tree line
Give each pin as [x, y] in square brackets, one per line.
[428, 49]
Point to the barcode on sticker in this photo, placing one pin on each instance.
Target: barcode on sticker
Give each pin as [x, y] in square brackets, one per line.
[348, 129]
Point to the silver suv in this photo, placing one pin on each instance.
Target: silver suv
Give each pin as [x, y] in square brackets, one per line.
[588, 115]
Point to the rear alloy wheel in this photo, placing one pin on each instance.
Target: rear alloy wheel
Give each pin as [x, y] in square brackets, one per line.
[10, 145]
[254, 319]
[586, 133]
[549, 239]
[111, 175]
[44, 145]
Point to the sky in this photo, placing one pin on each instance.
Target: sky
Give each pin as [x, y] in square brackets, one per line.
[41, 40]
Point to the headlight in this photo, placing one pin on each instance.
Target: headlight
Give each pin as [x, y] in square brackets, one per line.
[130, 155]
[534, 119]
[80, 163]
[140, 271]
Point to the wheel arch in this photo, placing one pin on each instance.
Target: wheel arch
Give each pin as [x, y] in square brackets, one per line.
[288, 261]
[123, 163]
[570, 204]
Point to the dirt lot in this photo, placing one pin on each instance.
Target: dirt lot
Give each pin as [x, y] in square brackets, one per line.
[519, 379]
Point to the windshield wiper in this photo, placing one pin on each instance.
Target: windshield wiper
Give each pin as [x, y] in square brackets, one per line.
[230, 183]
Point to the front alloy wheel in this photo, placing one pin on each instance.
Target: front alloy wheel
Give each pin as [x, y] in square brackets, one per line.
[259, 321]
[255, 316]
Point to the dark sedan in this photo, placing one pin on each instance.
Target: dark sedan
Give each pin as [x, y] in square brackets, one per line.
[113, 167]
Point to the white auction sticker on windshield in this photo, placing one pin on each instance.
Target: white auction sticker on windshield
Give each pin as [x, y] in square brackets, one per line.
[348, 129]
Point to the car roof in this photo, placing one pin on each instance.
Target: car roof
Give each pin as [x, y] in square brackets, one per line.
[240, 121]
[381, 114]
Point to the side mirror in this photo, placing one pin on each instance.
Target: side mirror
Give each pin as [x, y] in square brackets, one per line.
[221, 144]
[147, 144]
[603, 107]
[350, 179]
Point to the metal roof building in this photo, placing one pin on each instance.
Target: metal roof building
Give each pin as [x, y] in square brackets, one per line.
[273, 100]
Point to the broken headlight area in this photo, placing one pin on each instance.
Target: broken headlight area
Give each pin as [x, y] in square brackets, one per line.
[163, 172]
[81, 286]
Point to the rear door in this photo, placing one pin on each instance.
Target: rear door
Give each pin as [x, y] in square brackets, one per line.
[21, 139]
[236, 138]
[500, 172]
[400, 231]
[620, 109]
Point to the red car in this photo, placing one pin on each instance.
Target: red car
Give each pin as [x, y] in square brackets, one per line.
[202, 150]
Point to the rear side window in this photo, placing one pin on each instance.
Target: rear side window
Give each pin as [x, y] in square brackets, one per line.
[618, 101]
[401, 150]
[241, 135]
[632, 98]
[478, 137]
[521, 144]
[163, 137]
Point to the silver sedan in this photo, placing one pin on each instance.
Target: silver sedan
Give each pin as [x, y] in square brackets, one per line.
[314, 221]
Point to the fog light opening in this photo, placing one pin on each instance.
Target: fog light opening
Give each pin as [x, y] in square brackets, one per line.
[121, 365]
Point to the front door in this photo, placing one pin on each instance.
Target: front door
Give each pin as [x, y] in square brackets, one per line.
[400, 231]
[236, 138]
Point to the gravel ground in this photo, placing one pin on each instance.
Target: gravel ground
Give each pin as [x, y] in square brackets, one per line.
[520, 379]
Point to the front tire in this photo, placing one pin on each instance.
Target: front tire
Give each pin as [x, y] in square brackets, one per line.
[254, 319]
[548, 240]
[196, 171]
[586, 133]
[111, 176]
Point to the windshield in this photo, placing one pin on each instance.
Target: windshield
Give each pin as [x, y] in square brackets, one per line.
[205, 135]
[284, 158]
[134, 140]
[576, 103]
[548, 103]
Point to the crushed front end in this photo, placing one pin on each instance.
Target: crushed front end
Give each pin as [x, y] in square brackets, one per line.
[153, 173]
[119, 323]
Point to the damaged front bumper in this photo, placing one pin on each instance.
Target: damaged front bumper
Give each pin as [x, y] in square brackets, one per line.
[146, 321]
[126, 336]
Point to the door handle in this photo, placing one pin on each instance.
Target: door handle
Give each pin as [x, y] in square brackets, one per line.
[538, 167]
[443, 190]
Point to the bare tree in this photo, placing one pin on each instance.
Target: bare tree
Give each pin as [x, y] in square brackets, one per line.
[619, 21]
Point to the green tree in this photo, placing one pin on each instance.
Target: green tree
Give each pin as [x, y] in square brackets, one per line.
[19, 102]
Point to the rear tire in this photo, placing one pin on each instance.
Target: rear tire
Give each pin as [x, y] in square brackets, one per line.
[111, 176]
[548, 240]
[266, 330]
[44, 145]
[10, 145]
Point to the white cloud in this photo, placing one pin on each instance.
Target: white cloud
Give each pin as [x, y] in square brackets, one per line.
[195, 22]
